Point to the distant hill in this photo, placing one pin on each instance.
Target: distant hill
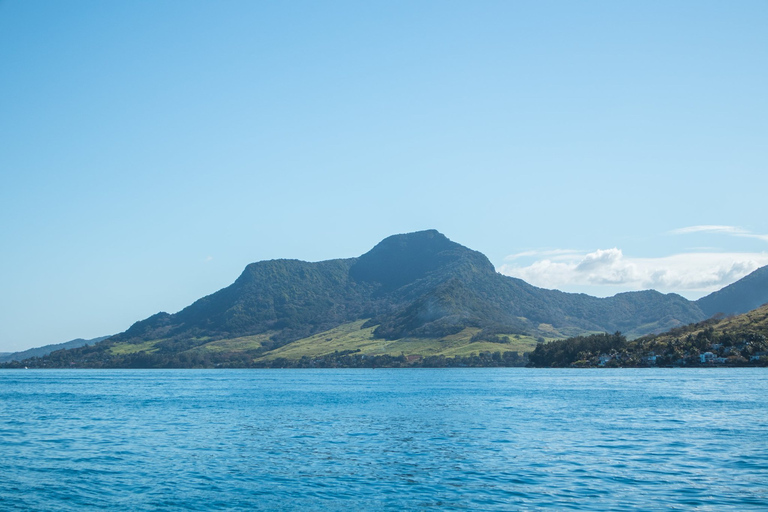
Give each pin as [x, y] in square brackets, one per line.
[412, 295]
[47, 349]
[744, 295]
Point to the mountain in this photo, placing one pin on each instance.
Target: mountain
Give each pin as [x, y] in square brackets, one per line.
[47, 349]
[413, 285]
[412, 295]
[744, 295]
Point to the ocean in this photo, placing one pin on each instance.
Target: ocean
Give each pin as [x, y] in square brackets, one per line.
[384, 439]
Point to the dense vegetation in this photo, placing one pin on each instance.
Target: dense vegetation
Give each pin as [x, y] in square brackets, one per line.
[576, 351]
[345, 359]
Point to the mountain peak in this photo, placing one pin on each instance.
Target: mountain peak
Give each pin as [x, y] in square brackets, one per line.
[401, 259]
[430, 240]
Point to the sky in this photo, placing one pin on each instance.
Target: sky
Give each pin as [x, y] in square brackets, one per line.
[149, 150]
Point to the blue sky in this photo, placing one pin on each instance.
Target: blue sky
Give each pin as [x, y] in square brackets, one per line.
[150, 150]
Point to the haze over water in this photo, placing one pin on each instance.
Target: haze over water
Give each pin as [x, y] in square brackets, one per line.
[474, 439]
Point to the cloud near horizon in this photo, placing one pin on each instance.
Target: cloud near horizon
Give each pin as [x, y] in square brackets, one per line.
[700, 272]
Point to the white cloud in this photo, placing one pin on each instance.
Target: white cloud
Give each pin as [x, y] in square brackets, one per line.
[709, 229]
[700, 272]
[727, 230]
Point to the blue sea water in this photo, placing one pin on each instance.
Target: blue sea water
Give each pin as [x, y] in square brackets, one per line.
[384, 439]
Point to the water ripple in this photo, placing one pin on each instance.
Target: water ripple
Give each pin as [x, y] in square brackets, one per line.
[491, 439]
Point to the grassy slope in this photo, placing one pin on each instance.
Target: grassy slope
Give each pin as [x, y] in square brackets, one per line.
[352, 337]
[243, 343]
[120, 349]
[349, 337]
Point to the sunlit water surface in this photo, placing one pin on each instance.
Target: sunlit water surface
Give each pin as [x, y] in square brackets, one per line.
[444, 439]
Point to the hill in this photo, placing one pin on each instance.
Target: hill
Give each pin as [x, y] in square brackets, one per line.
[416, 295]
[733, 341]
